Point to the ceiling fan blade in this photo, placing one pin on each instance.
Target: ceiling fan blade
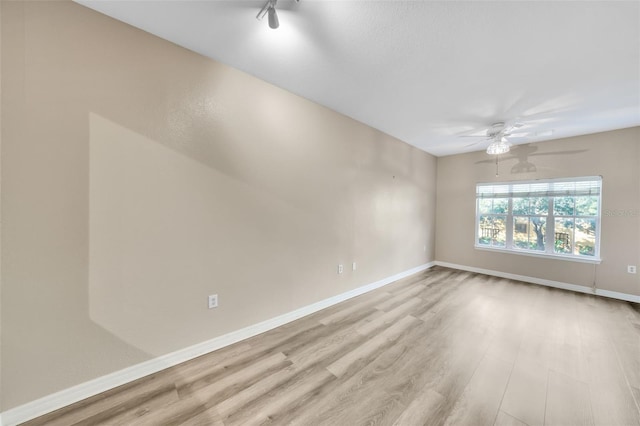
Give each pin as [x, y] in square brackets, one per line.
[476, 142]
[503, 131]
[543, 133]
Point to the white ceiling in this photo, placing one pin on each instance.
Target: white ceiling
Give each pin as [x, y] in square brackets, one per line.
[426, 72]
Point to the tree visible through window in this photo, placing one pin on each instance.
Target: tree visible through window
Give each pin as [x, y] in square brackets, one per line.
[558, 217]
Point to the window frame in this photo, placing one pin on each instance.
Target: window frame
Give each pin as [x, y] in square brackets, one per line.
[514, 190]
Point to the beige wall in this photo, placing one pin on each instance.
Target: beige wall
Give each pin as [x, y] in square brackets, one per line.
[0, 209]
[139, 177]
[613, 155]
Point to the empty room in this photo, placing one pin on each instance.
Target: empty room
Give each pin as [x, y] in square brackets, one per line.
[319, 212]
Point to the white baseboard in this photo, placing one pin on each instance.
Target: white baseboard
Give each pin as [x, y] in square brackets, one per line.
[93, 387]
[541, 281]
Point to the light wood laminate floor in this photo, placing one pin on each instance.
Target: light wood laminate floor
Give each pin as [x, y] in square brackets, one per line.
[442, 347]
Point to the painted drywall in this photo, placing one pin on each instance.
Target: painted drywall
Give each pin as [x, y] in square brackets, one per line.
[1, 410]
[613, 155]
[139, 177]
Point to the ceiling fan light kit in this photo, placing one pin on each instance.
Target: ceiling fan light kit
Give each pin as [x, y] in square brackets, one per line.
[498, 147]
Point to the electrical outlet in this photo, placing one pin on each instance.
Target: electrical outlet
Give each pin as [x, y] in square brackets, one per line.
[631, 269]
[340, 269]
[353, 266]
[213, 301]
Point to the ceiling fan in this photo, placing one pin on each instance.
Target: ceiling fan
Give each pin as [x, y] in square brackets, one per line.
[499, 133]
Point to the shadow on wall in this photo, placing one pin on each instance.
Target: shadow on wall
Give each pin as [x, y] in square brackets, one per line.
[162, 225]
[522, 154]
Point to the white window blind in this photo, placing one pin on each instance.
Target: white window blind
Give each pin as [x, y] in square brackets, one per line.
[588, 186]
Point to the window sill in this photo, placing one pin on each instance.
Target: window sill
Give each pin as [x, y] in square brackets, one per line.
[595, 260]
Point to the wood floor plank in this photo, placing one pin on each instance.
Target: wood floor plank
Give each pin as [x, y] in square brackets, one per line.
[136, 412]
[568, 401]
[355, 358]
[349, 312]
[419, 410]
[242, 398]
[613, 403]
[284, 399]
[228, 385]
[174, 413]
[331, 407]
[402, 284]
[481, 398]
[116, 400]
[526, 393]
[570, 360]
[289, 341]
[401, 297]
[453, 367]
[132, 410]
[441, 275]
[411, 371]
[358, 399]
[505, 419]
[629, 356]
[536, 348]
[505, 343]
[612, 398]
[437, 297]
[636, 396]
[327, 351]
[208, 365]
[389, 317]
[204, 418]
[601, 358]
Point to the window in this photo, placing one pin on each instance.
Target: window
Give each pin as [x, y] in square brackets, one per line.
[554, 217]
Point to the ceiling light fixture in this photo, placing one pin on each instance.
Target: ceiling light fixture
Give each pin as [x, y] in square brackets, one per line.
[273, 19]
[498, 147]
[270, 8]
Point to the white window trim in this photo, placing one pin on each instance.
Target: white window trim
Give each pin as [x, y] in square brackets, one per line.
[548, 253]
[544, 255]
